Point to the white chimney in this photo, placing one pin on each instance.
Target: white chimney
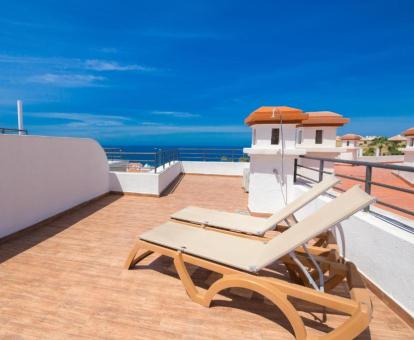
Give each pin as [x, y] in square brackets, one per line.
[272, 157]
[20, 116]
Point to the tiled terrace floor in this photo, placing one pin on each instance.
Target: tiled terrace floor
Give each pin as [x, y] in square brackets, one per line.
[65, 280]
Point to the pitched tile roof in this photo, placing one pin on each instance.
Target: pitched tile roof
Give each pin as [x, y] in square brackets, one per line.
[351, 136]
[274, 114]
[324, 118]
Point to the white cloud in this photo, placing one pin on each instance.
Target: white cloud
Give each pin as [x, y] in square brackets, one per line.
[67, 80]
[103, 65]
[83, 119]
[64, 72]
[74, 63]
[114, 126]
[176, 114]
[133, 130]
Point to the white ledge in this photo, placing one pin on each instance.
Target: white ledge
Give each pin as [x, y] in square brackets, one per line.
[322, 149]
[273, 151]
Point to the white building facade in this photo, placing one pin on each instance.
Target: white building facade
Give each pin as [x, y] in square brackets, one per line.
[351, 143]
[317, 136]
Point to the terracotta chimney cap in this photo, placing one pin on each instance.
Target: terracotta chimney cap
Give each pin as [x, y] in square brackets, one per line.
[264, 115]
[351, 136]
[324, 118]
[408, 132]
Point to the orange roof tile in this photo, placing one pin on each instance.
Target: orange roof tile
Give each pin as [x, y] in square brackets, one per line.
[409, 132]
[264, 115]
[324, 118]
[351, 136]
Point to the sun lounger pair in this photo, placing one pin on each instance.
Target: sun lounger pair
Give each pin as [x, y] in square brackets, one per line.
[242, 261]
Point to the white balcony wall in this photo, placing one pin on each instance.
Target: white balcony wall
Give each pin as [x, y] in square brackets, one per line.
[43, 176]
[146, 183]
[151, 183]
[408, 161]
[215, 168]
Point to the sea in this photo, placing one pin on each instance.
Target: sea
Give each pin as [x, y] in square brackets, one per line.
[149, 155]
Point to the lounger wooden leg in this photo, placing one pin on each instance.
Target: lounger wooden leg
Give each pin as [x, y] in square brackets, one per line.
[360, 312]
[188, 283]
[240, 281]
[293, 273]
[133, 259]
[358, 307]
[256, 285]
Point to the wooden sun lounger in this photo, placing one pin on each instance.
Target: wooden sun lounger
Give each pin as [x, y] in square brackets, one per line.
[240, 261]
[247, 224]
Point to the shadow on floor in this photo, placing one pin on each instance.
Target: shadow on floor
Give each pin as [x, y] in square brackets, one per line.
[173, 185]
[255, 303]
[26, 239]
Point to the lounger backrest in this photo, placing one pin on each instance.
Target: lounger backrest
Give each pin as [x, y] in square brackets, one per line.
[317, 190]
[320, 221]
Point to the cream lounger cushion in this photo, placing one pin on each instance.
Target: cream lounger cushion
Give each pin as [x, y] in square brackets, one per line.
[253, 255]
[249, 224]
[222, 219]
[227, 249]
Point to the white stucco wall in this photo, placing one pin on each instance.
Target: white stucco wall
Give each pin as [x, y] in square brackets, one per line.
[155, 183]
[327, 149]
[381, 251]
[149, 183]
[408, 161]
[43, 176]
[409, 155]
[264, 134]
[270, 183]
[352, 143]
[328, 137]
[215, 168]
[408, 176]
[351, 154]
[169, 175]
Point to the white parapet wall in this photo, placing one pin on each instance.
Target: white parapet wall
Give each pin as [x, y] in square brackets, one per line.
[147, 183]
[215, 168]
[44, 176]
[376, 246]
[405, 175]
[408, 161]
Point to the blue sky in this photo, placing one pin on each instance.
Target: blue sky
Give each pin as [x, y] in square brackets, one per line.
[189, 72]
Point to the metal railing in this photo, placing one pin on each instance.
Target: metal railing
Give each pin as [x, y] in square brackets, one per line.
[212, 155]
[145, 161]
[367, 179]
[12, 131]
[153, 160]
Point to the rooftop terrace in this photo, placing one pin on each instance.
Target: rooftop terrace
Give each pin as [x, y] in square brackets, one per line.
[66, 279]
